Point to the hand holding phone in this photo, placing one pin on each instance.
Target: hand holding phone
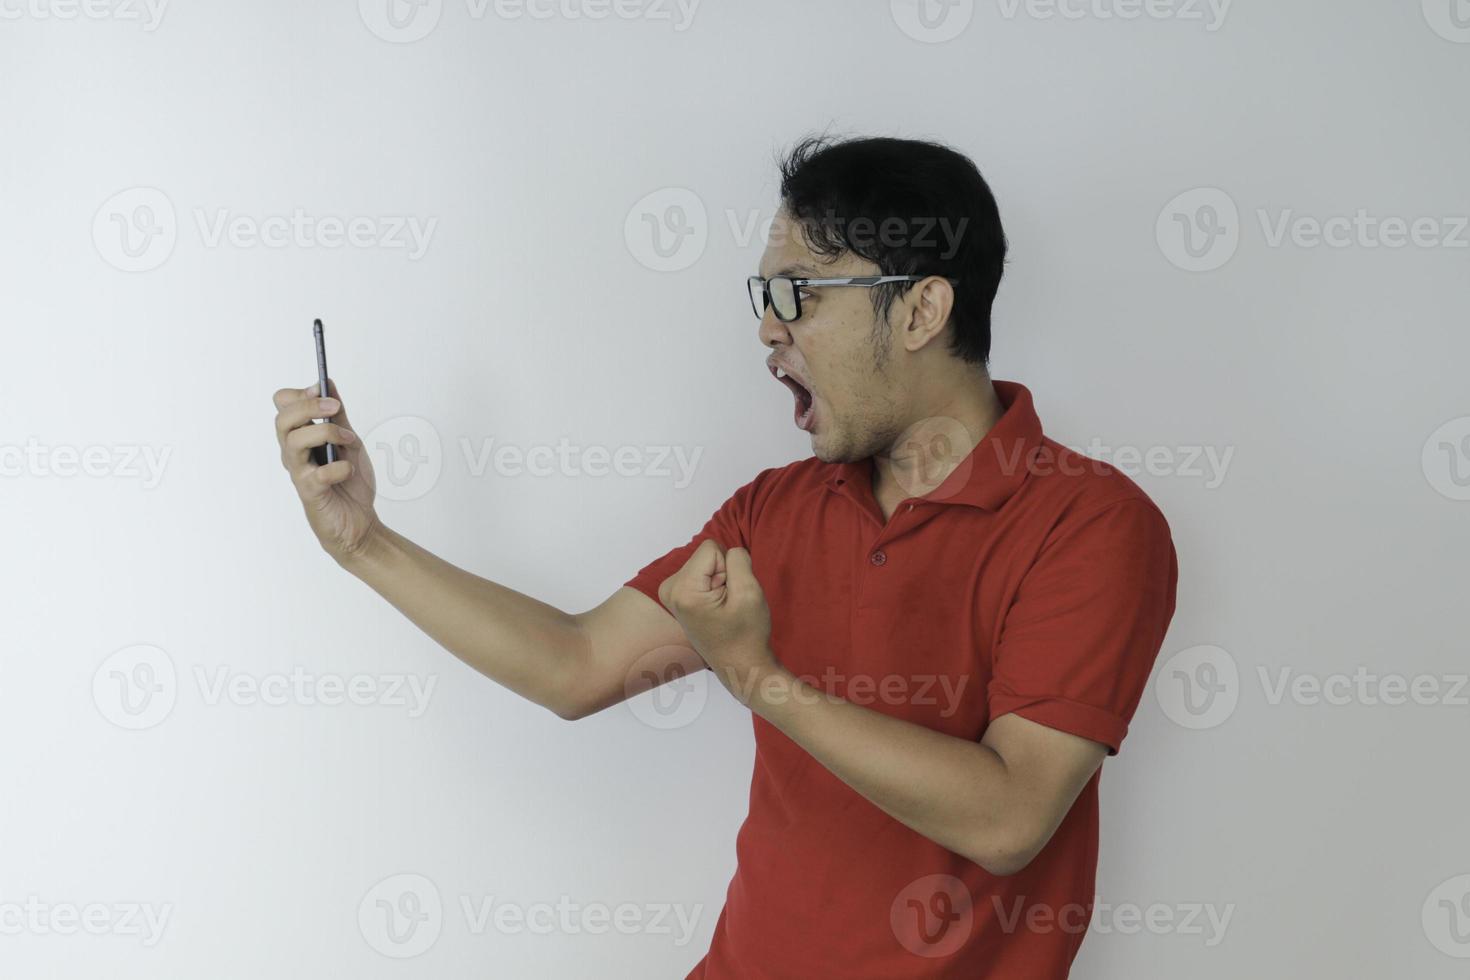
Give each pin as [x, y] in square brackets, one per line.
[338, 499]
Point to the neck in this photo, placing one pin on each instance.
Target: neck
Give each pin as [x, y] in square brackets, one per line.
[942, 434]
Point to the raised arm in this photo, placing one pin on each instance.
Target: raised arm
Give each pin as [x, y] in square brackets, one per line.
[571, 664]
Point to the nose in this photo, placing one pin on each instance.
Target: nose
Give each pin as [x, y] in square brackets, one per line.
[773, 331]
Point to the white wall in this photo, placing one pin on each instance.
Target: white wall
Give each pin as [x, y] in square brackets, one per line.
[1333, 540]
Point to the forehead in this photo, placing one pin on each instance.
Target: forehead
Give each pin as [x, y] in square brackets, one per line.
[787, 254]
[786, 251]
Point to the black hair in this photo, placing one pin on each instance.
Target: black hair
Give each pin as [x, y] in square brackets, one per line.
[912, 207]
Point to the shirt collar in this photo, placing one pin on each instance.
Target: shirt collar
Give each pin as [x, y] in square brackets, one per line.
[990, 474]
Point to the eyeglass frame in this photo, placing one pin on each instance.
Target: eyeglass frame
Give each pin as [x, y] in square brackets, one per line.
[798, 283]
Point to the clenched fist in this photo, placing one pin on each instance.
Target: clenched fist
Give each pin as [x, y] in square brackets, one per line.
[718, 601]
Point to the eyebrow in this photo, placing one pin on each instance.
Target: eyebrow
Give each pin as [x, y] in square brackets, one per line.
[798, 269]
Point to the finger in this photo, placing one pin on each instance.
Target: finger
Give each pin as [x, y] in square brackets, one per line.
[332, 473]
[716, 578]
[290, 396]
[285, 396]
[310, 436]
[705, 561]
[308, 406]
[296, 450]
[301, 411]
[315, 481]
[692, 577]
[340, 416]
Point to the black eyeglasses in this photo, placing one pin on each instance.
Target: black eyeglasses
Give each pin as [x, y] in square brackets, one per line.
[783, 293]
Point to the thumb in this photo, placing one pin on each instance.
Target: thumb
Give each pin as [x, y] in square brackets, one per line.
[737, 565]
[707, 560]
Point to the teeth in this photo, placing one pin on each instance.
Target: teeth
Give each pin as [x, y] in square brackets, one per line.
[780, 373]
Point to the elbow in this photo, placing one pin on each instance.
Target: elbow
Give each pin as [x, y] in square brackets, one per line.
[569, 694]
[570, 709]
[1008, 852]
[573, 702]
[568, 713]
[1003, 865]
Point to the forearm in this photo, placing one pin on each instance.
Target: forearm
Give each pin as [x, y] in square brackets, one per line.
[521, 643]
[952, 790]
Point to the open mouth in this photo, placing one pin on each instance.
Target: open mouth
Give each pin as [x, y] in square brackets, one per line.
[805, 410]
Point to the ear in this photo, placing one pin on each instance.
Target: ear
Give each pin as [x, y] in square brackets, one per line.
[929, 303]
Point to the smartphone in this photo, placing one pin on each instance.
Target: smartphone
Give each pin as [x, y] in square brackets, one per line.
[322, 455]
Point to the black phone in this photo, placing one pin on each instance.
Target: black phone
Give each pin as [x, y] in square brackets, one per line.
[322, 455]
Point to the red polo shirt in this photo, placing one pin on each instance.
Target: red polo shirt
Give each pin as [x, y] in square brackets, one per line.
[1033, 579]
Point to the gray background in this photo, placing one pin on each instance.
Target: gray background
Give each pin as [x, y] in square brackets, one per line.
[1331, 547]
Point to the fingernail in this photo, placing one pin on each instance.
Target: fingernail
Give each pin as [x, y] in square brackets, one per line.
[327, 404]
[348, 435]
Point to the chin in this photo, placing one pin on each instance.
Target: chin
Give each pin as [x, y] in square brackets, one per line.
[823, 449]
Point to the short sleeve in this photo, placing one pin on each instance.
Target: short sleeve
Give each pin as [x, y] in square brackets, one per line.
[731, 526]
[1079, 641]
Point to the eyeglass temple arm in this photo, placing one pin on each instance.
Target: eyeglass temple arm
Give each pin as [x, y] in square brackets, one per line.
[866, 280]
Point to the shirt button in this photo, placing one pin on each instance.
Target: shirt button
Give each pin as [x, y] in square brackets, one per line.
[878, 558]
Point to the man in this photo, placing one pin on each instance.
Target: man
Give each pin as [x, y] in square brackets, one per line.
[942, 622]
